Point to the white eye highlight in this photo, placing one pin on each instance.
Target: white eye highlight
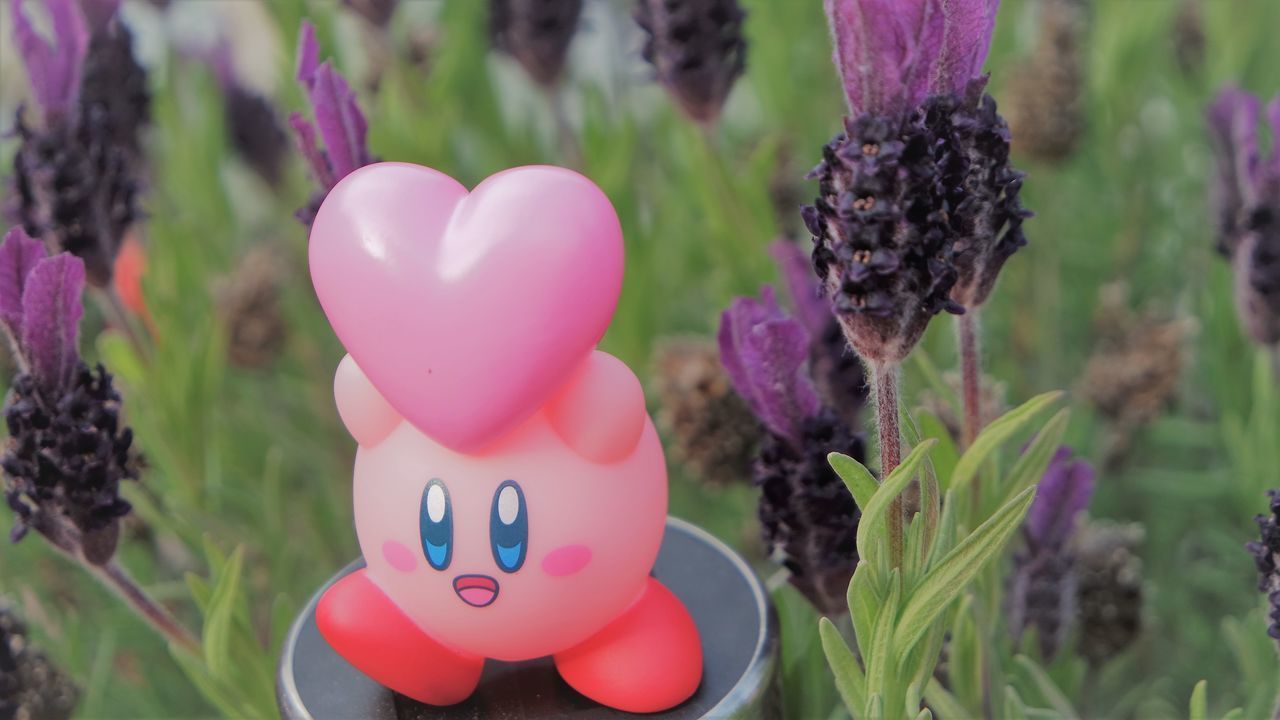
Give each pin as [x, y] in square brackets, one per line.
[508, 505]
[435, 503]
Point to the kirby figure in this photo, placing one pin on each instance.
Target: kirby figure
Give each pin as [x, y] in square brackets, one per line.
[510, 489]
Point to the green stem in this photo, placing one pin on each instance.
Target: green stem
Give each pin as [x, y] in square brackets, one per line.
[971, 395]
[66, 540]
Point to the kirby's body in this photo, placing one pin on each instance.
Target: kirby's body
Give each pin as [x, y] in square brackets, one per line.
[524, 527]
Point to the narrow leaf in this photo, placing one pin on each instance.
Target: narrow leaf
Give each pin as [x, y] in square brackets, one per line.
[861, 483]
[1200, 701]
[218, 623]
[1014, 708]
[864, 600]
[947, 580]
[850, 682]
[880, 656]
[995, 435]
[944, 702]
[1033, 462]
[872, 514]
[1047, 687]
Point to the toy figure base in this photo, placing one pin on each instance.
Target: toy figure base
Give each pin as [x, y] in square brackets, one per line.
[728, 603]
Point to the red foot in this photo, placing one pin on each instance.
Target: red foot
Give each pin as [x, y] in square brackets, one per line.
[372, 634]
[649, 659]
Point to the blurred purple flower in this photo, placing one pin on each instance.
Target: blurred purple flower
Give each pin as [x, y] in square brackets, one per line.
[807, 516]
[1247, 195]
[1064, 493]
[892, 54]
[67, 451]
[764, 352]
[537, 33]
[75, 172]
[1266, 555]
[339, 122]
[252, 122]
[1042, 586]
[837, 371]
[53, 67]
[697, 48]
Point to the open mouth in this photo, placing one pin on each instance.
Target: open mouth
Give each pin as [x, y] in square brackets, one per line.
[476, 590]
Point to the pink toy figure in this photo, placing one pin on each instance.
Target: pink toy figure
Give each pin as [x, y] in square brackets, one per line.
[510, 490]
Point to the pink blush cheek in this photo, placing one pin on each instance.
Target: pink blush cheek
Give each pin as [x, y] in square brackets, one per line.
[566, 560]
[398, 556]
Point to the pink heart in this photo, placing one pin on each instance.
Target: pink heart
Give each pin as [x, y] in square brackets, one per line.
[467, 311]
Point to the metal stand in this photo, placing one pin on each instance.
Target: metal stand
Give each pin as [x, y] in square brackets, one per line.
[728, 602]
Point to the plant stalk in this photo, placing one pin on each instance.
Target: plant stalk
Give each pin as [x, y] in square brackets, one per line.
[885, 378]
[971, 391]
[66, 540]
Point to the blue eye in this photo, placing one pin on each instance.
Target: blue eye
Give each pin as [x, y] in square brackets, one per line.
[435, 523]
[509, 527]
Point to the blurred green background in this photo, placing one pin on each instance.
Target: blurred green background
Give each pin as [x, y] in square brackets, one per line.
[255, 459]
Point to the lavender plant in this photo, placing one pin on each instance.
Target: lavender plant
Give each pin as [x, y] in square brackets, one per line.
[697, 49]
[536, 33]
[1042, 587]
[808, 518]
[77, 168]
[1266, 555]
[918, 205]
[1247, 194]
[68, 449]
[339, 123]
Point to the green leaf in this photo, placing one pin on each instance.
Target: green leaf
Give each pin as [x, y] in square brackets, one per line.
[944, 702]
[863, 600]
[1047, 687]
[875, 708]
[995, 435]
[912, 699]
[218, 622]
[872, 513]
[947, 580]
[946, 536]
[1200, 701]
[924, 715]
[880, 657]
[212, 690]
[861, 483]
[945, 456]
[1014, 708]
[1033, 462]
[850, 682]
[1234, 714]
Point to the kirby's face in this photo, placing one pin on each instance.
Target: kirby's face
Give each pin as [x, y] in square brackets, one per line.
[519, 551]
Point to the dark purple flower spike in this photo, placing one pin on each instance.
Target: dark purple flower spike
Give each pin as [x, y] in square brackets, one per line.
[1266, 555]
[1042, 586]
[537, 33]
[697, 49]
[339, 122]
[1247, 193]
[67, 450]
[808, 519]
[252, 121]
[54, 67]
[837, 372]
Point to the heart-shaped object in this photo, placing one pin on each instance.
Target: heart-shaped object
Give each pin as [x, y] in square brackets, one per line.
[467, 311]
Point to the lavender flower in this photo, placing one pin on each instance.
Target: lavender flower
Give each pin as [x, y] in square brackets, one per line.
[1042, 587]
[1047, 90]
[252, 121]
[536, 33]
[918, 207]
[837, 373]
[67, 450]
[1248, 199]
[1109, 589]
[808, 518]
[31, 686]
[340, 124]
[697, 49]
[1266, 554]
[75, 171]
